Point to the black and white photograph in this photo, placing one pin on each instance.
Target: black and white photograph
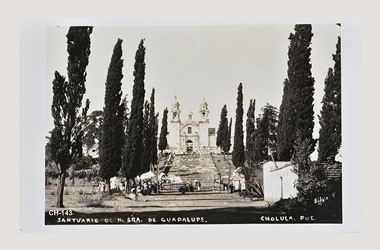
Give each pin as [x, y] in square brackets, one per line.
[219, 124]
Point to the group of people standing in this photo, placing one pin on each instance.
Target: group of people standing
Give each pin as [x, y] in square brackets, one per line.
[144, 188]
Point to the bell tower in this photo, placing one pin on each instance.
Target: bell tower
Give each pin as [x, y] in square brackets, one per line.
[176, 112]
[174, 126]
[203, 111]
[203, 123]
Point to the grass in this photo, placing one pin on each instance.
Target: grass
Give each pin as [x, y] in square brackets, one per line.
[75, 196]
[92, 200]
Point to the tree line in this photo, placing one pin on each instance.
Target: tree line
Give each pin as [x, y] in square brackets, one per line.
[127, 139]
[277, 135]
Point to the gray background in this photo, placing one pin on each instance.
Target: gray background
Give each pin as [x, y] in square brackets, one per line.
[34, 106]
[239, 11]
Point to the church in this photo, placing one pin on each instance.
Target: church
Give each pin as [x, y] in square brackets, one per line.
[191, 136]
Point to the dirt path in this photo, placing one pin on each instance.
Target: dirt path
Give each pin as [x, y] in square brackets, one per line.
[164, 201]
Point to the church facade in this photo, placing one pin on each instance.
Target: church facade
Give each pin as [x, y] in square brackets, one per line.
[190, 135]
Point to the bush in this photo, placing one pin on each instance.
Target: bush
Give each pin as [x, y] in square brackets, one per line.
[247, 194]
[88, 173]
[312, 178]
[84, 162]
[313, 184]
[254, 190]
[51, 171]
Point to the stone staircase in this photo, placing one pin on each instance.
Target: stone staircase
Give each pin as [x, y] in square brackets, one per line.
[222, 165]
[191, 168]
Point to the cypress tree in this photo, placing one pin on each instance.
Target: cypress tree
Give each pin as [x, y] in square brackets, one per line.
[330, 134]
[163, 143]
[297, 114]
[338, 97]
[135, 126]
[326, 149]
[227, 142]
[66, 137]
[145, 164]
[285, 132]
[223, 128]
[153, 125]
[304, 95]
[249, 168]
[125, 169]
[265, 134]
[227, 138]
[238, 150]
[112, 136]
[271, 114]
[250, 136]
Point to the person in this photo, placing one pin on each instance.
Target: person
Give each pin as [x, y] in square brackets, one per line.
[144, 188]
[138, 189]
[154, 187]
[101, 187]
[198, 185]
[121, 186]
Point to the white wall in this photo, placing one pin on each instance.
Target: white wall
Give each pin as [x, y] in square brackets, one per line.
[212, 141]
[273, 184]
[203, 134]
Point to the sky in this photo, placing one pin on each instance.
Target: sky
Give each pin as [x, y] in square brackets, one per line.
[196, 62]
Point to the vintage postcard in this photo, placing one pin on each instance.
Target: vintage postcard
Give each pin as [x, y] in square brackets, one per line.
[194, 124]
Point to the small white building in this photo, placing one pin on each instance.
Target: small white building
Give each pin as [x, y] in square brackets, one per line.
[279, 181]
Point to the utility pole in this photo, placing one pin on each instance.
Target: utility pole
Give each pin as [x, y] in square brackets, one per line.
[271, 155]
